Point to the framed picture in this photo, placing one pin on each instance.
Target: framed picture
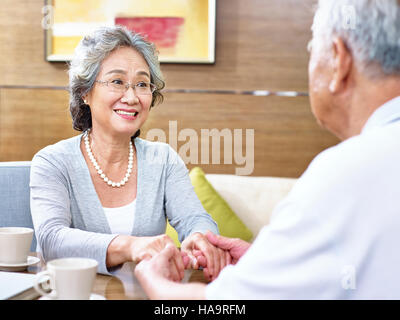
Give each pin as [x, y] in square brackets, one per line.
[182, 30]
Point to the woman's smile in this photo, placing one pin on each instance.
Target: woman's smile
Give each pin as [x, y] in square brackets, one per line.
[128, 114]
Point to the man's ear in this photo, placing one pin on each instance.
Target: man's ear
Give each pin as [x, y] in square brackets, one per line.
[342, 65]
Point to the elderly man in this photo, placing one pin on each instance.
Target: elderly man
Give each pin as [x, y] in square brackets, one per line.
[336, 234]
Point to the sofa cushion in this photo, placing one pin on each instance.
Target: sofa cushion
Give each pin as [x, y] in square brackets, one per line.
[229, 224]
[252, 198]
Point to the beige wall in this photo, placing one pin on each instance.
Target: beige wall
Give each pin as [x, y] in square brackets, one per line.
[261, 45]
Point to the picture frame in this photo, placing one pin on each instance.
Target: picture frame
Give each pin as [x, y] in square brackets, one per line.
[182, 30]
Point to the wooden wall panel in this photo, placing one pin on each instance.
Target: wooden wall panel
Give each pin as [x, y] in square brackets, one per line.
[31, 119]
[261, 45]
[286, 135]
[22, 47]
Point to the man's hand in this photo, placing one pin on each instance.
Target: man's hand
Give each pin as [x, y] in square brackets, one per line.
[157, 266]
[202, 253]
[236, 247]
[155, 270]
[155, 277]
[146, 247]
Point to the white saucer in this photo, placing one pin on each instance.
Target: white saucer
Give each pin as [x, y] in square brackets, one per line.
[19, 266]
[93, 296]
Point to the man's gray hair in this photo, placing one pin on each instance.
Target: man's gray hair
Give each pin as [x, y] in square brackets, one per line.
[370, 29]
[86, 62]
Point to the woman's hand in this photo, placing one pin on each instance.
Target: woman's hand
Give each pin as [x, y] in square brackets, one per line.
[203, 254]
[142, 248]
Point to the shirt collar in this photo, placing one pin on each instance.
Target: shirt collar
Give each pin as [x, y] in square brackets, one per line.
[385, 114]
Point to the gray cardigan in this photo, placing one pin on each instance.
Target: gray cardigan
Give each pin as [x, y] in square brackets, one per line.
[69, 219]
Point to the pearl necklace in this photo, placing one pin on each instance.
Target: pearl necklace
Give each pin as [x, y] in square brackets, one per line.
[98, 169]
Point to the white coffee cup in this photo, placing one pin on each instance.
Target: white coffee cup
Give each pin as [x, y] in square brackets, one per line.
[71, 278]
[15, 243]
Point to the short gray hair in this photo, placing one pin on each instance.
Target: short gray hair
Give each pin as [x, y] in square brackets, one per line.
[370, 29]
[85, 66]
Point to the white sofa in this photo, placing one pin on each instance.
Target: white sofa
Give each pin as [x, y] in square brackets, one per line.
[251, 198]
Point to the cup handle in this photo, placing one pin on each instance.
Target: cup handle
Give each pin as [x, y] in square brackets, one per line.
[40, 280]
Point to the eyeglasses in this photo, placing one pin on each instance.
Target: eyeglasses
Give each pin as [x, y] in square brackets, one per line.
[120, 86]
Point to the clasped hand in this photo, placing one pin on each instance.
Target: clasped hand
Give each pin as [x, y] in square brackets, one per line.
[197, 251]
[161, 259]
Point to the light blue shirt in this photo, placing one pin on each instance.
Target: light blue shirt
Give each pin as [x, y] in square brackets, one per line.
[337, 233]
[67, 214]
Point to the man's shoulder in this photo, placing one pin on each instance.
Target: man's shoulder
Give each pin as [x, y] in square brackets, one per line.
[368, 145]
[367, 152]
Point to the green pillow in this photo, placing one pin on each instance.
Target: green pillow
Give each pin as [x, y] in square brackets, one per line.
[229, 224]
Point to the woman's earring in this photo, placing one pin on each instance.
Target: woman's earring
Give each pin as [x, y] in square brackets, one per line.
[84, 100]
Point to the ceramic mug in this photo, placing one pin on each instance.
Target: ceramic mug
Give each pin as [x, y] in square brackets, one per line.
[15, 243]
[70, 278]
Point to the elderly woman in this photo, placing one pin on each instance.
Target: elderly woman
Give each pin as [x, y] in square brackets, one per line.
[106, 194]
